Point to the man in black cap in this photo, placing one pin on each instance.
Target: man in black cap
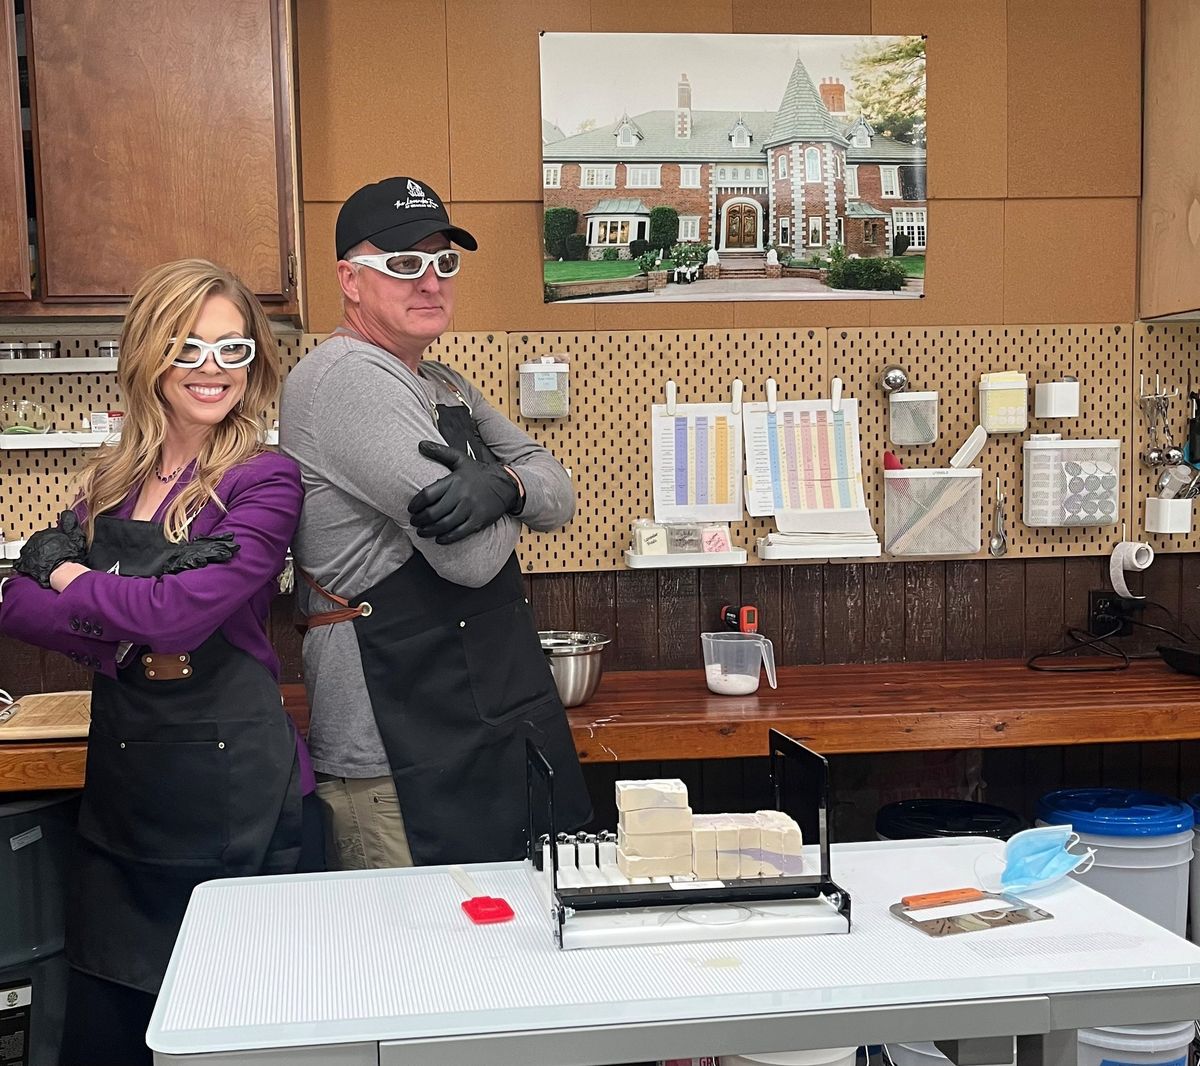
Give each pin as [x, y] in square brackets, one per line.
[424, 671]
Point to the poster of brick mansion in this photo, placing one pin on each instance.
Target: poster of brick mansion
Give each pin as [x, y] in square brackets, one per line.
[701, 166]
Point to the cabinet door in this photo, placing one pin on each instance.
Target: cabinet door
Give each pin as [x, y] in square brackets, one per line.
[162, 132]
[14, 226]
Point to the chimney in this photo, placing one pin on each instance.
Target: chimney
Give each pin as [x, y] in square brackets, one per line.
[833, 95]
[683, 109]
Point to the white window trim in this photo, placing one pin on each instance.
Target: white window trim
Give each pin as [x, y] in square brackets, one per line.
[610, 169]
[692, 223]
[551, 175]
[656, 168]
[808, 153]
[851, 179]
[741, 139]
[841, 230]
[785, 231]
[593, 229]
[920, 218]
[627, 138]
[781, 166]
[895, 173]
[694, 167]
[815, 223]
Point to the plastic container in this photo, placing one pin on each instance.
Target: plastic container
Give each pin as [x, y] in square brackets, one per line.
[41, 349]
[1161, 1044]
[913, 417]
[544, 389]
[12, 350]
[108, 349]
[919, 819]
[1143, 845]
[1072, 482]
[926, 1055]
[1056, 399]
[1168, 516]
[1194, 878]
[932, 511]
[1004, 406]
[734, 661]
[830, 1056]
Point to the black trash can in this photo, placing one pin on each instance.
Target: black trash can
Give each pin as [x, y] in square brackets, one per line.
[921, 818]
[37, 832]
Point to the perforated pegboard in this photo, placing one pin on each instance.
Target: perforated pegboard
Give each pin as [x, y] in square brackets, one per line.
[950, 360]
[1172, 351]
[615, 378]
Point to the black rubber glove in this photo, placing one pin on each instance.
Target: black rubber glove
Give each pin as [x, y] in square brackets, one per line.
[200, 552]
[470, 498]
[52, 546]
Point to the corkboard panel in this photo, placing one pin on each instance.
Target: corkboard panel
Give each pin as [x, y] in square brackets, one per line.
[1173, 352]
[1070, 260]
[663, 16]
[802, 16]
[950, 361]
[495, 93]
[373, 85]
[615, 377]
[966, 91]
[322, 295]
[1074, 98]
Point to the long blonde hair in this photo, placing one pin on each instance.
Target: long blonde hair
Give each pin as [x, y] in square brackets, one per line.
[166, 305]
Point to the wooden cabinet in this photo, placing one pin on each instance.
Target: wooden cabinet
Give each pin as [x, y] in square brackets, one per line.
[14, 230]
[1170, 237]
[162, 130]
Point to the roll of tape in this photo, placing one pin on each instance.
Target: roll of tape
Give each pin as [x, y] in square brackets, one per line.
[1131, 555]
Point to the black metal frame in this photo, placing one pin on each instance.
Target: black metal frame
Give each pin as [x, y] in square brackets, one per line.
[787, 756]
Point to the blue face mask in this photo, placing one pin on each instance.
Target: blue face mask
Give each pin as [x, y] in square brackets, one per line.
[1037, 858]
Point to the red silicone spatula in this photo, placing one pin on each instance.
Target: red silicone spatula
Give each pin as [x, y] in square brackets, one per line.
[482, 910]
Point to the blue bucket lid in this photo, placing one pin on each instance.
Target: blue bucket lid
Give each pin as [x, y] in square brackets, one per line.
[1116, 812]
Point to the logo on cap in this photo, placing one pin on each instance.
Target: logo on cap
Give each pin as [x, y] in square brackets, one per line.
[414, 189]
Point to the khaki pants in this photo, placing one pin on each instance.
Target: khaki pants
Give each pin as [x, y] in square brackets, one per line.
[364, 829]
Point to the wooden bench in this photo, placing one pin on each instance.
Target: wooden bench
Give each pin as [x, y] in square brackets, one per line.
[670, 714]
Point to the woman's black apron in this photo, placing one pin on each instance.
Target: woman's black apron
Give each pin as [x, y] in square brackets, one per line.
[458, 681]
[192, 774]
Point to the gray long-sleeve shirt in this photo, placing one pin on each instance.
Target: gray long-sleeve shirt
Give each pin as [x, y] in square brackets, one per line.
[352, 416]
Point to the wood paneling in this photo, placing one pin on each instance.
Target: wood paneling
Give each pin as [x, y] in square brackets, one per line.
[14, 232]
[1170, 244]
[665, 16]
[322, 295]
[160, 135]
[802, 16]
[1074, 99]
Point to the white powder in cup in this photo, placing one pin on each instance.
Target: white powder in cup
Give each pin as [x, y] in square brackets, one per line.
[729, 684]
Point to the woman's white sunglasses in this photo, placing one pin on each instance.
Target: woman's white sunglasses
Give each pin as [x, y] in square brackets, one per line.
[230, 354]
[412, 264]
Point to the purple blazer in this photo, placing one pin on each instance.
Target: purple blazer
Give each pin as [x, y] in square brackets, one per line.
[175, 612]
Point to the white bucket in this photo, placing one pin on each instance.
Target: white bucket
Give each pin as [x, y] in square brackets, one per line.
[923, 1055]
[828, 1056]
[1147, 874]
[1162, 1044]
[1194, 887]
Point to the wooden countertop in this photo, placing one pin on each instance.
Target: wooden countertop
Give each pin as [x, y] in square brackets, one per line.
[670, 714]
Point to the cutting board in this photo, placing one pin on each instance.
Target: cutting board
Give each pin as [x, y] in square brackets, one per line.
[47, 716]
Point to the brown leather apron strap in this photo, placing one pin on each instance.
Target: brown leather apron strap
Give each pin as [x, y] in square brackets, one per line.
[327, 618]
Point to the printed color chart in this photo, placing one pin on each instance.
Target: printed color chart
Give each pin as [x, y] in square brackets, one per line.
[697, 463]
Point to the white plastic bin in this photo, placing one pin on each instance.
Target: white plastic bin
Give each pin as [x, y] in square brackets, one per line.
[932, 511]
[1072, 482]
[830, 1056]
[1004, 405]
[913, 417]
[1143, 847]
[1163, 1044]
[1194, 877]
[926, 1055]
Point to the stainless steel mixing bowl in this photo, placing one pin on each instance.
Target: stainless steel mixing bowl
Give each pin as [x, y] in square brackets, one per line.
[575, 661]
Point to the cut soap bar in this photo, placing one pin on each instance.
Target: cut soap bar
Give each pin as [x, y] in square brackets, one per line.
[657, 820]
[663, 792]
[654, 845]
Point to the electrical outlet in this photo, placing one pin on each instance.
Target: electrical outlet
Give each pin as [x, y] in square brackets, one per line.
[1106, 609]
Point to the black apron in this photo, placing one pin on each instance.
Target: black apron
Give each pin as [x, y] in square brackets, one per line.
[458, 680]
[188, 779]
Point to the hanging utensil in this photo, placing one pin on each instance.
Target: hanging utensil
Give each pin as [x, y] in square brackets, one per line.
[998, 545]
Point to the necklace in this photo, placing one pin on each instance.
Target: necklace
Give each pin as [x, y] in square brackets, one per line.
[166, 479]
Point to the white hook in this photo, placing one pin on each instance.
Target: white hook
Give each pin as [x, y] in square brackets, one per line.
[737, 396]
[671, 398]
[837, 395]
[772, 395]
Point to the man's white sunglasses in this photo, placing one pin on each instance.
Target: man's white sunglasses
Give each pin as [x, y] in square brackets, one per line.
[412, 264]
[230, 354]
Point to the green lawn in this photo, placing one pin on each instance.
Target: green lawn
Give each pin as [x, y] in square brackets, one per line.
[914, 265]
[589, 271]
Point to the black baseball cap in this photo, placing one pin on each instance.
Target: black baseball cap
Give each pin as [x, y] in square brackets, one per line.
[394, 214]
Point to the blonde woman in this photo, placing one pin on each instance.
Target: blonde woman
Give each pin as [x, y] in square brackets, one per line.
[160, 581]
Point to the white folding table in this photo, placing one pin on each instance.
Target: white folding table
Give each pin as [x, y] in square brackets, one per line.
[383, 968]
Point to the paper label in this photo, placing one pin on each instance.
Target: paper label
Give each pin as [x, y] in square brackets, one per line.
[15, 1016]
[545, 381]
[21, 840]
[684, 886]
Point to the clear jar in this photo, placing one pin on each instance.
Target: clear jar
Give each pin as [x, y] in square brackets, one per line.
[41, 349]
[12, 349]
[107, 349]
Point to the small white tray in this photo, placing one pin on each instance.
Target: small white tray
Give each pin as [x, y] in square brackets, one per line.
[775, 552]
[26, 441]
[83, 365]
[734, 557]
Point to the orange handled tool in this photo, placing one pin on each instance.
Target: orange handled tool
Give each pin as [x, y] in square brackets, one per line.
[942, 899]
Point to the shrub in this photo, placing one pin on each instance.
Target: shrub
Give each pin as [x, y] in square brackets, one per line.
[900, 243]
[875, 274]
[611, 255]
[689, 253]
[575, 246]
[638, 247]
[558, 224]
[647, 261]
[664, 227]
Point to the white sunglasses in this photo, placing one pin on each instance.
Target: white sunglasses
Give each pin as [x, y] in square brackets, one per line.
[412, 264]
[230, 354]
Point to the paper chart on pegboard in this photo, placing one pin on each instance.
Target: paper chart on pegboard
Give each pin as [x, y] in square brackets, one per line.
[697, 456]
[804, 465]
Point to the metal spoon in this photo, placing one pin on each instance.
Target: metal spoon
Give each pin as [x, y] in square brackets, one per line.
[998, 545]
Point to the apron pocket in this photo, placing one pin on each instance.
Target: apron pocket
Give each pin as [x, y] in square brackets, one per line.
[507, 667]
[157, 802]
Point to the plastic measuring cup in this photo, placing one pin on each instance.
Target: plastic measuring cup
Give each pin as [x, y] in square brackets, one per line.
[733, 661]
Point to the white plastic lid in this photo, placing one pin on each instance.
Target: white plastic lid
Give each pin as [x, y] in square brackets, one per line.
[546, 364]
[909, 397]
[1014, 384]
[1068, 444]
[940, 471]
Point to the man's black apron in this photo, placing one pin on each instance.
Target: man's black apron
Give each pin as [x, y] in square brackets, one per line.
[189, 778]
[458, 680]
